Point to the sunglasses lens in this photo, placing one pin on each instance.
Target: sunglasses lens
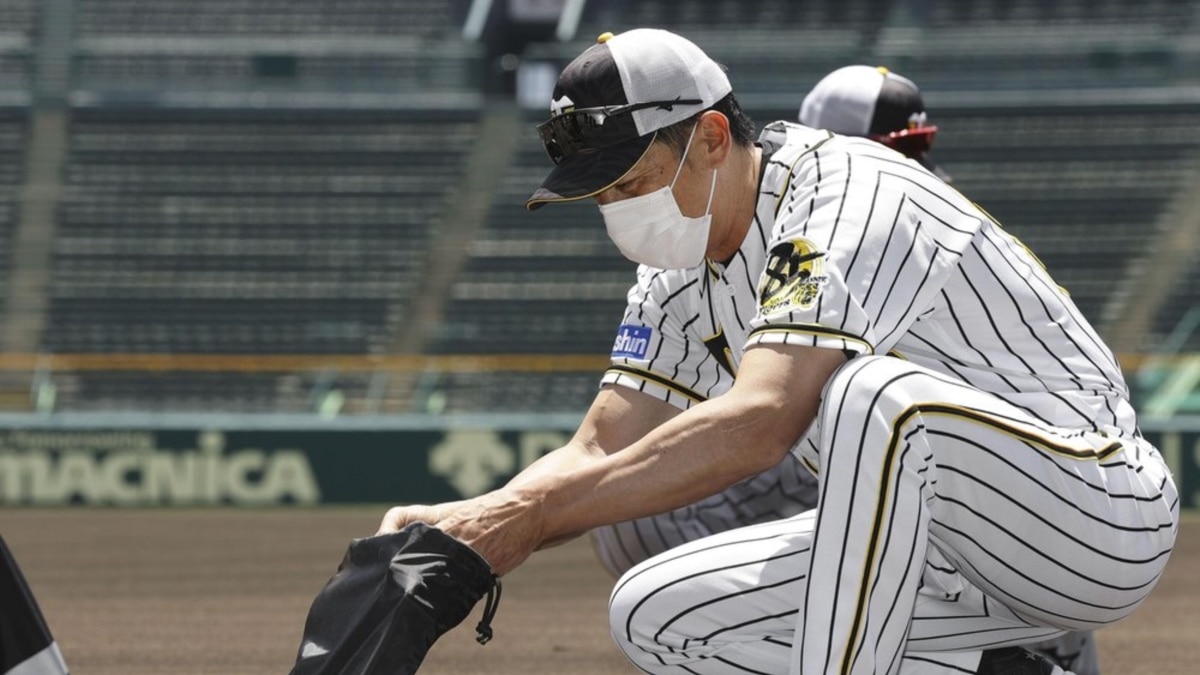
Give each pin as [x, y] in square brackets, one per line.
[549, 142]
[556, 154]
[563, 134]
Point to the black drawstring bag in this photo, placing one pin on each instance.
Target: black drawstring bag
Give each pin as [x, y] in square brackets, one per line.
[392, 597]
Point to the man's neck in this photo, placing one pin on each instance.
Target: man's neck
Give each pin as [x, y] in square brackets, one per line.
[738, 216]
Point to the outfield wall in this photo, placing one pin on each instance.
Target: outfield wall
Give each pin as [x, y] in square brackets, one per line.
[123, 460]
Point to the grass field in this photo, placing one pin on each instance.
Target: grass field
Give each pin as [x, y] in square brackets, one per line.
[225, 592]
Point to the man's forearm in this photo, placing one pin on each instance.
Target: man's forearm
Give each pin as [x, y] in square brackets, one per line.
[569, 457]
[695, 455]
[617, 418]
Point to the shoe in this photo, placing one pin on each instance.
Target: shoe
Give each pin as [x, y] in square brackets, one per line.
[1016, 661]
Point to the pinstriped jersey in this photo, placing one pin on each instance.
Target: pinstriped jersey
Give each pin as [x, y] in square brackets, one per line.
[853, 247]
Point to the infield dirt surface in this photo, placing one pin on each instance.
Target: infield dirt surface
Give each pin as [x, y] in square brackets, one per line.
[225, 592]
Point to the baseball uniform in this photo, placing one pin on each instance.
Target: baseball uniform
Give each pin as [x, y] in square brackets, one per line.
[982, 478]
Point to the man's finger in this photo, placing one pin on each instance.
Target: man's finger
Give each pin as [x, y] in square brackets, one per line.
[393, 521]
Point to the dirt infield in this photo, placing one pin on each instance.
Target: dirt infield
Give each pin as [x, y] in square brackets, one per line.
[225, 592]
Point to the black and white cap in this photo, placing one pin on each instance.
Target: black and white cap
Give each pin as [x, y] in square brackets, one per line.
[611, 100]
[876, 103]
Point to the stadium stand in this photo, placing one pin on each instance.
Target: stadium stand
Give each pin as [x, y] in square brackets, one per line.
[19, 17]
[135, 47]
[266, 17]
[18, 20]
[290, 236]
[159, 65]
[974, 46]
[13, 135]
[755, 40]
[232, 233]
[536, 282]
[254, 177]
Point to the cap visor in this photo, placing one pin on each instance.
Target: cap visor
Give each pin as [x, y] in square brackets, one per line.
[589, 172]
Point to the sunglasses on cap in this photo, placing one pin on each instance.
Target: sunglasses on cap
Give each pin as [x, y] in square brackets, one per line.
[567, 133]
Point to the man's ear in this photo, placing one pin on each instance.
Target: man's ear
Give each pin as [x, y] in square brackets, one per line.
[715, 136]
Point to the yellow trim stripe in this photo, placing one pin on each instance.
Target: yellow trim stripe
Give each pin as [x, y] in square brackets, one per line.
[661, 381]
[1049, 443]
[812, 329]
[809, 465]
[712, 269]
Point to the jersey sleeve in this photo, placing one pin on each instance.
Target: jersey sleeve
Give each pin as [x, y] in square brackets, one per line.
[861, 247]
[657, 349]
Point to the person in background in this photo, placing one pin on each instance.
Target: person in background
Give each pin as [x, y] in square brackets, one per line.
[875, 103]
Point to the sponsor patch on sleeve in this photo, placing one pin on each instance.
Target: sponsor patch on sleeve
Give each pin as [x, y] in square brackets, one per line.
[632, 341]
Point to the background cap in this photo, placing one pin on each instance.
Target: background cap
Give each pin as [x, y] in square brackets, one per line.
[637, 66]
[876, 103]
[863, 101]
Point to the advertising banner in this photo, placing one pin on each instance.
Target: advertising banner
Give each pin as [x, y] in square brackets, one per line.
[209, 466]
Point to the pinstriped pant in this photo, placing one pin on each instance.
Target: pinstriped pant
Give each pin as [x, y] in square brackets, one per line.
[949, 522]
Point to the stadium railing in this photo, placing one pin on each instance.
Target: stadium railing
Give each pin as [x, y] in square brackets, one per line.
[355, 384]
[326, 384]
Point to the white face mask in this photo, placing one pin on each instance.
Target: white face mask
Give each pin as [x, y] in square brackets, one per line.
[651, 229]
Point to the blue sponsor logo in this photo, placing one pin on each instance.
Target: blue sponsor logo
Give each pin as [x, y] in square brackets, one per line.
[632, 341]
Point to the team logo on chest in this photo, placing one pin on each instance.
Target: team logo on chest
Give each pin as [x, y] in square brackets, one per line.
[794, 276]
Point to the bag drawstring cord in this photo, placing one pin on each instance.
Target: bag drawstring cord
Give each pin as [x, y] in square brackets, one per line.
[483, 631]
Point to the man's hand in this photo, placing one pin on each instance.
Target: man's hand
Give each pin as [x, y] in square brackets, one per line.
[399, 517]
[502, 526]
